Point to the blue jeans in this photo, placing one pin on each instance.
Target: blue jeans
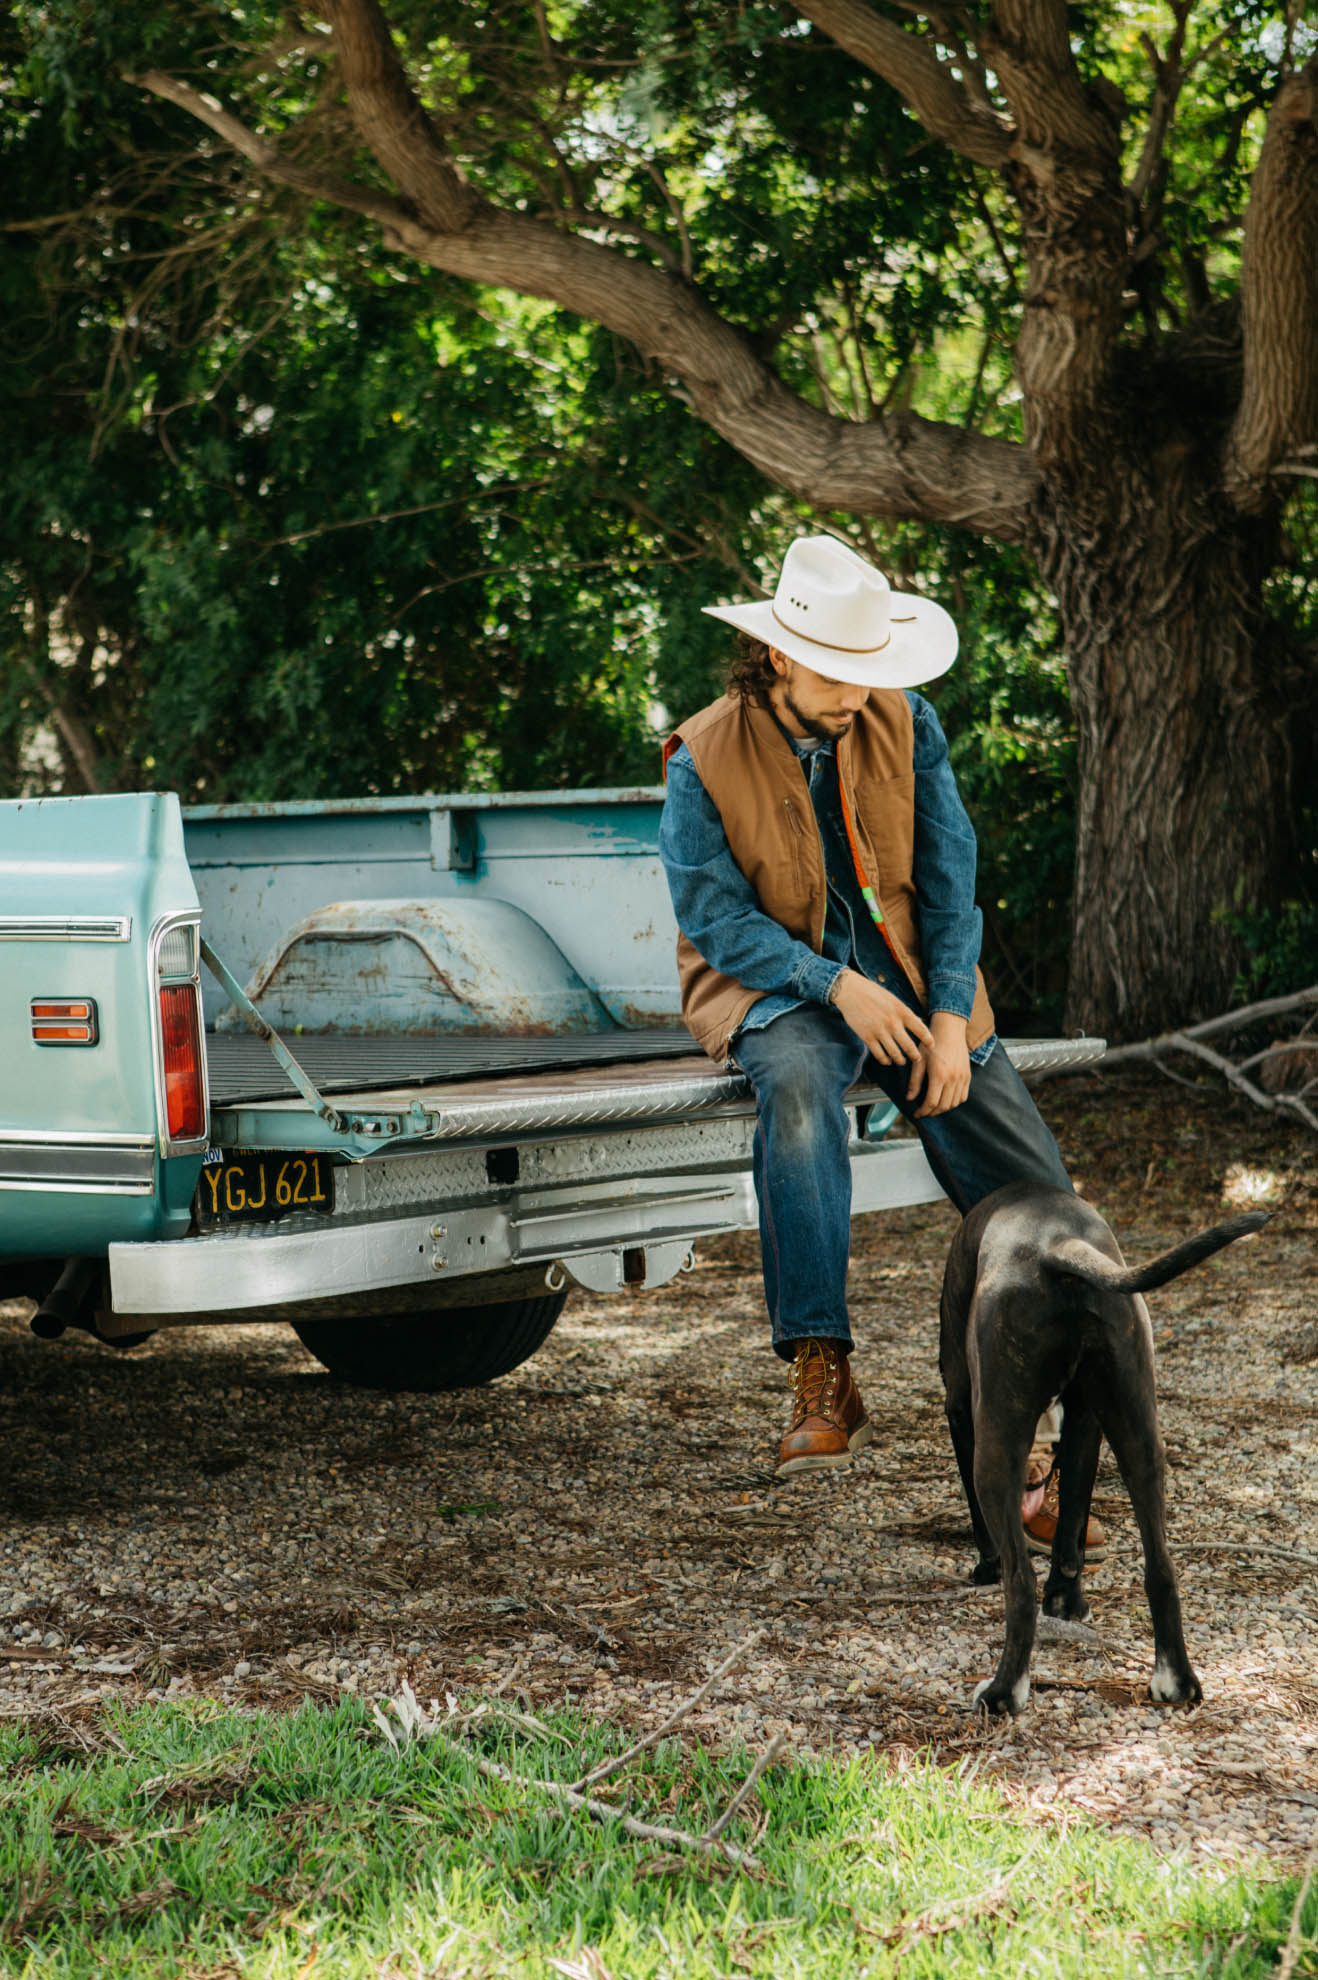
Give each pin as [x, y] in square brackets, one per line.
[801, 1066]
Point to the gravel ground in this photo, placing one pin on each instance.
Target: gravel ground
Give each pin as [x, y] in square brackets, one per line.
[211, 1514]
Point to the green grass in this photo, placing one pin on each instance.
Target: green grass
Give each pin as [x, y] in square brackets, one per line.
[196, 1841]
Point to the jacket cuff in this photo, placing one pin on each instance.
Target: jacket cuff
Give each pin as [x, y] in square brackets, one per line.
[814, 977]
[954, 994]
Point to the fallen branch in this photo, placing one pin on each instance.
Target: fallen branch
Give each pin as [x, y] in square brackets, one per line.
[415, 1723]
[1295, 1937]
[1240, 1020]
[1190, 1040]
[748, 1786]
[600, 1811]
[1245, 1548]
[688, 1706]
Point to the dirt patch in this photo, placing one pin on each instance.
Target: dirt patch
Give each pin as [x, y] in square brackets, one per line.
[212, 1513]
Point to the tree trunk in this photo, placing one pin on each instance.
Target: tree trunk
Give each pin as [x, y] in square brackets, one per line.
[1183, 812]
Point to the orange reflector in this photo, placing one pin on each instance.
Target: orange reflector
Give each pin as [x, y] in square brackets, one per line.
[64, 1020]
[180, 1037]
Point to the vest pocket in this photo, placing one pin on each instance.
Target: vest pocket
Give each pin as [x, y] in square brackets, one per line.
[886, 815]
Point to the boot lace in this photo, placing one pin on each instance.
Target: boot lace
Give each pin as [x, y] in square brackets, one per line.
[814, 1379]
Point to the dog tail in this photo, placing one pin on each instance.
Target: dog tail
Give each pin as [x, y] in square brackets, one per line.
[1074, 1258]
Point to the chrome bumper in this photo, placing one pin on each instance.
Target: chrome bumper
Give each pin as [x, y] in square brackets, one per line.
[587, 1229]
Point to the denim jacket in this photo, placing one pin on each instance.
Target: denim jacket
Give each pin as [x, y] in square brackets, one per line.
[718, 911]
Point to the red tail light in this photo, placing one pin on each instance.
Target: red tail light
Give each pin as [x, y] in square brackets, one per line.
[180, 1033]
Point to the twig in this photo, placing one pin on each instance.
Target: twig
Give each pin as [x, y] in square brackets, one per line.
[1191, 1042]
[1291, 1955]
[688, 1706]
[1240, 1020]
[911, 1595]
[762, 1766]
[600, 1811]
[1246, 1547]
[1061, 1629]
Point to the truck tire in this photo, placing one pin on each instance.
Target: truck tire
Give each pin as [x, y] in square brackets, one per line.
[456, 1348]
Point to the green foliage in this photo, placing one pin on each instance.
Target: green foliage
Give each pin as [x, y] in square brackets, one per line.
[197, 1840]
[1281, 949]
[285, 515]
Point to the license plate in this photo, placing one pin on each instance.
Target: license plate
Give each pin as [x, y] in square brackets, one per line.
[244, 1189]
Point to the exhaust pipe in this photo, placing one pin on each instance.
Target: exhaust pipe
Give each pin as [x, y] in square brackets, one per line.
[66, 1304]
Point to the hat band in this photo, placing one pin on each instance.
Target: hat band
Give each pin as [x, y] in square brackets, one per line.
[829, 645]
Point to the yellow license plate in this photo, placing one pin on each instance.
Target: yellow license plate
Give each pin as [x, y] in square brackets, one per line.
[243, 1189]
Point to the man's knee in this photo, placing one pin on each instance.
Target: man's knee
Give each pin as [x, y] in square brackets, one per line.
[801, 1106]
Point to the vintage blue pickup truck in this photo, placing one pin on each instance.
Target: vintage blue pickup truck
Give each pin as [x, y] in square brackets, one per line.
[399, 1072]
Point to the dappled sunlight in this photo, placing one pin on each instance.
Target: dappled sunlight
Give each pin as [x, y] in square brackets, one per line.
[1245, 1188]
[211, 1515]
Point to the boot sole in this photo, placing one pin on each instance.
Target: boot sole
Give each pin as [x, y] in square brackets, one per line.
[862, 1434]
[1045, 1547]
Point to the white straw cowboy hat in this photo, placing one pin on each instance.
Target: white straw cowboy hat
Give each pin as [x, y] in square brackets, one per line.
[838, 615]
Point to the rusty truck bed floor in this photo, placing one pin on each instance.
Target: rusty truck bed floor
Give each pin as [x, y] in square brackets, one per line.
[241, 1068]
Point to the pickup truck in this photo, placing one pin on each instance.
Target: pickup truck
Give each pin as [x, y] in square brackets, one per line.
[399, 1072]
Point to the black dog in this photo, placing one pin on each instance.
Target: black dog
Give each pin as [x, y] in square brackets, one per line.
[1037, 1303]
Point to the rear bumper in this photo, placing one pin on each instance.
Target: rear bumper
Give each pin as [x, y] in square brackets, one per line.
[586, 1229]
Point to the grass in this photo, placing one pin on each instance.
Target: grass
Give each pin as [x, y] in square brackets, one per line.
[191, 1840]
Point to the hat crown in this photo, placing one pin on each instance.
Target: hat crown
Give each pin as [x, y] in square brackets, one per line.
[831, 598]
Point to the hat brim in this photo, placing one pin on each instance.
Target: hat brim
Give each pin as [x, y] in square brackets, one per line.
[921, 646]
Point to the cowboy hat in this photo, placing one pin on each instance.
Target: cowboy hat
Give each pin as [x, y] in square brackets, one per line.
[838, 615]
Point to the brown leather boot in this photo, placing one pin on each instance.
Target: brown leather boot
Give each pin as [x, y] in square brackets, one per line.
[1041, 1524]
[829, 1424]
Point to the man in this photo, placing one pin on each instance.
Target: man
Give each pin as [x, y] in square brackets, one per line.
[822, 870]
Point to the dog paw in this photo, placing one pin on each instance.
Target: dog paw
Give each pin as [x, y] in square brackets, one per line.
[990, 1696]
[986, 1574]
[1170, 1686]
[1067, 1603]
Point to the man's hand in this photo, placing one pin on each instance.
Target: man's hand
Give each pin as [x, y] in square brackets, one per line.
[944, 1068]
[890, 1028]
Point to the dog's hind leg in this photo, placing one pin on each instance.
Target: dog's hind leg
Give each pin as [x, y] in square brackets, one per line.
[960, 1422]
[1064, 1593]
[1130, 1424]
[958, 1401]
[1001, 1447]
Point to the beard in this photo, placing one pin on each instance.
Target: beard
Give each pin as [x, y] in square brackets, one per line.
[824, 728]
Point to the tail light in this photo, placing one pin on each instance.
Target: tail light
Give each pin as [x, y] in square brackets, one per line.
[185, 1078]
[181, 1104]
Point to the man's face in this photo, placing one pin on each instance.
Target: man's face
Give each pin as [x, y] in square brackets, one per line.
[809, 704]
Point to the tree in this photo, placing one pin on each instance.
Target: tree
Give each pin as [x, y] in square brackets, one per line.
[274, 523]
[781, 210]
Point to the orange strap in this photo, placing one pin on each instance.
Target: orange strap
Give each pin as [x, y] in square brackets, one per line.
[868, 894]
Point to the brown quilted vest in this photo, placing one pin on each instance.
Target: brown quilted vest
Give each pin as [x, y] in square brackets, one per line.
[755, 779]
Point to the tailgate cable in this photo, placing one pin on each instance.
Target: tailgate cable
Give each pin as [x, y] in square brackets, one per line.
[264, 1029]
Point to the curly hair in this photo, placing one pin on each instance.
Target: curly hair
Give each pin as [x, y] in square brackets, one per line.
[751, 672]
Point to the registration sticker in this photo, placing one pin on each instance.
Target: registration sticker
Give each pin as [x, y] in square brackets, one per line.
[242, 1188]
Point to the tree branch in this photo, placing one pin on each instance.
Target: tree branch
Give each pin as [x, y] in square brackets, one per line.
[1278, 412]
[901, 466]
[1191, 1042]
[1065, 174]
[911, 63]
[1029, 48]
[1169, 74]
[392, 123]
[265, 156]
